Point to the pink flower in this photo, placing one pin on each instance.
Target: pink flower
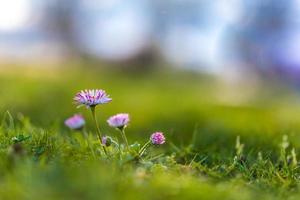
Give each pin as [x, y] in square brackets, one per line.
[119, 121]
[91, 98]
[157, 138]
[75, 122]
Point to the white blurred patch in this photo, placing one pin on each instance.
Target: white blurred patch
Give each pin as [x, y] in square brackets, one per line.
[116, 30]
[96, 4]
[194, 48]
[228, 10]
[202, 47]
[14, 14]
[120, 36]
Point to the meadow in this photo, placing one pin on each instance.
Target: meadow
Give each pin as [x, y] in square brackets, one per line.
[219, 144]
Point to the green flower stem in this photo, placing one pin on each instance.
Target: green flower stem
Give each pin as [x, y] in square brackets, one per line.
[124, 137]
[143, 149]
[98, 129]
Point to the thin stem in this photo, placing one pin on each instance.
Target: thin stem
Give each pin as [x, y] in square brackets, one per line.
[124, 138]
[98, 129]
[141, 152]
[96, 123]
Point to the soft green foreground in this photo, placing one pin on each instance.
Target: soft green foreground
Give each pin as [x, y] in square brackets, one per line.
[202, 158]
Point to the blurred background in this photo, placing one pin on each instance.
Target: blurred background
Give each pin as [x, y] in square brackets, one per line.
[172, 64]
[226, 36]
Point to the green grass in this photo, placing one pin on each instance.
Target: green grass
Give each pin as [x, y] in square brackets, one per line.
[202, 159]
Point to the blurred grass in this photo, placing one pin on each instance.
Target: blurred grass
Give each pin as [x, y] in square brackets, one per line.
[173, 101]
[199, 114]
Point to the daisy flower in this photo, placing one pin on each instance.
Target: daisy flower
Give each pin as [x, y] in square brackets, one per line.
[119, 120]
[75, 122]
[91, 98]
